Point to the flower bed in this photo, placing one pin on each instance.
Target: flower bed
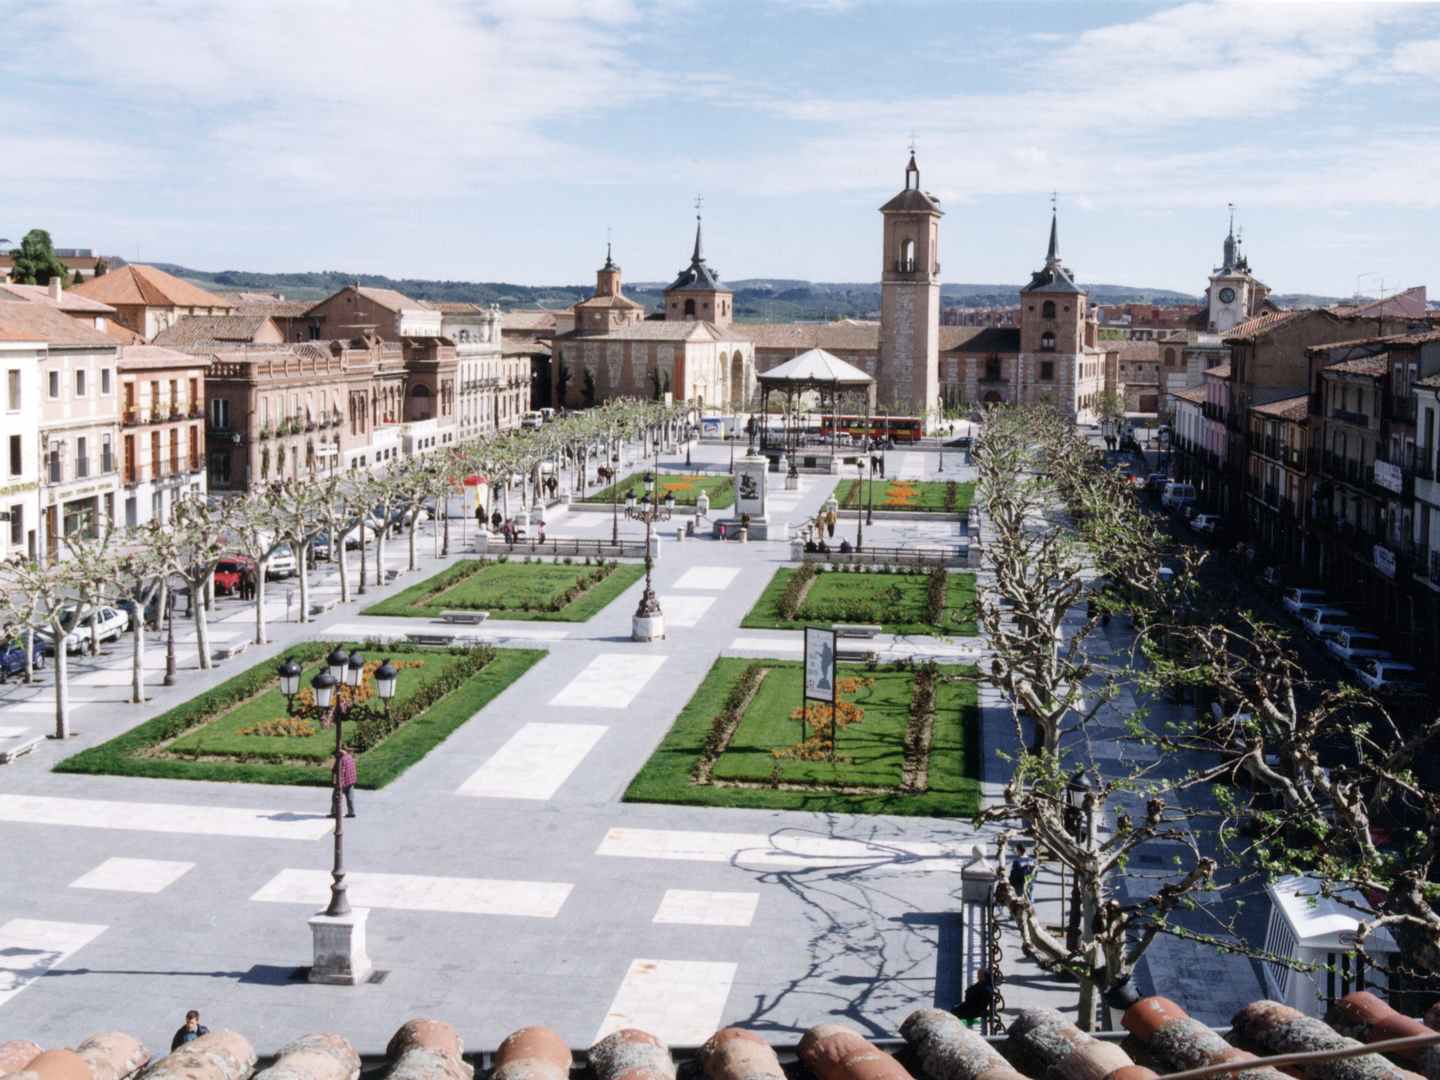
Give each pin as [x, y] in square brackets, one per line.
[930, 496]
[686, 488]
[902, 600]
[565, 590]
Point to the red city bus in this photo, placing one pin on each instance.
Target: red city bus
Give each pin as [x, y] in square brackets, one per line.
[901, 429]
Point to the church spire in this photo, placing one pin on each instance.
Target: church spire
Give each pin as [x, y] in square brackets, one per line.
[698, 255]
[1052, 253]
[1231, 245]
[912, 173]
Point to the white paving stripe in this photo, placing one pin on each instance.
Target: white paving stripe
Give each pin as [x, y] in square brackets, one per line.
[12, 732]
[699, 908]
[610, 681]
[416, 892]
[163, 817]
[30, 947]
[794, 645]
[707, 578]
[762, 851]
[359, 631]
[133, 875]
[680, 1002]
[684, 611]
[535, 762]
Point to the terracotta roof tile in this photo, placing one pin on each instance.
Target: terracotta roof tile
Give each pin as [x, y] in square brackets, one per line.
[528, 320]
[70, 301]
[390, 299]
[1220, 371]
[862, 337]
[1260, 325]
[1291, 408]
[21, 321]
[1195, 394]
[1361, 365]
[980, 339]
[197, 329]
[146, 357]
[136, 284]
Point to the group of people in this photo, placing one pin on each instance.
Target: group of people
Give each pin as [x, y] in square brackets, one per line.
[980, 995]
[247, 585]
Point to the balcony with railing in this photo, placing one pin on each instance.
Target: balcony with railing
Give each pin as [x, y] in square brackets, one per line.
[1346, 416]
[140, 416]
[1401, 408]
[82, 468]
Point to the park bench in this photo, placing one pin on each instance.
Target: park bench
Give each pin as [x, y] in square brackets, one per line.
[423, 638]
[472, 617]
[856, 654]
[20, 749]
[229, 649]
[855, 630]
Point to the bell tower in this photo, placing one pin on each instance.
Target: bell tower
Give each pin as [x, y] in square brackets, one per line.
[908, 377]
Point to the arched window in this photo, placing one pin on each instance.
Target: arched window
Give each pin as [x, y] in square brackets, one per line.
[907, 255]
[420, 391]
[1047, 342]
[689, 309]
[1047, 309]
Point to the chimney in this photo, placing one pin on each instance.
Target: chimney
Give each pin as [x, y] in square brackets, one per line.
[55, 288]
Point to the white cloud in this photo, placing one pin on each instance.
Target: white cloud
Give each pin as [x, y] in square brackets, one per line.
[1418, 58]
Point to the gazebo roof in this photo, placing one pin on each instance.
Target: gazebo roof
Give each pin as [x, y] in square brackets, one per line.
[815, 367]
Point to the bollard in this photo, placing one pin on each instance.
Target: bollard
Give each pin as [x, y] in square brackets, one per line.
[1177, 1041]
[113, 1055]
[532, 1053]
[220, 1055]
[1049, 1046]
[945, 1049]
[1272, 1028]
[427, 1050]
[631, 1054]
[314, 1057]
[735, 1054]
[1364, 1016]
[835, 1052]
[15, 1054]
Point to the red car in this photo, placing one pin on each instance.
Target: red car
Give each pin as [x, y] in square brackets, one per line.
[229, 571]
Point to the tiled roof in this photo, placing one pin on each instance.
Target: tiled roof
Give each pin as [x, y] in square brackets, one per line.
[527, 320]
[1038, 1043]
[70, 301]
[277, 309]
[1052, 279]
[122, 335]
[135, 284]
[663, 330]
[608, 302]
[147, 357]
[1291, 408]
[980, 339]
[912, 201]
[1260, 325]
[389, 299]
[20, 321]
[454, 307]
[1134, 351]
[1419, 337]
[198, 329]
[1195, 394]
[1361, 365]
[797, 337]
[1220, 371]
[525, 348]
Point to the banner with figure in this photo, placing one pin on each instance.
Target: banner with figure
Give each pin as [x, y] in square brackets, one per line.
[819, 664]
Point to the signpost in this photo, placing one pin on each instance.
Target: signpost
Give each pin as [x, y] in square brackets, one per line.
[819, 676]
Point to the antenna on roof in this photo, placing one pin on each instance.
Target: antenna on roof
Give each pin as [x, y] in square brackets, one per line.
[912, 142]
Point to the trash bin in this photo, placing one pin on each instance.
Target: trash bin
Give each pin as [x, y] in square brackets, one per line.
[679, 535]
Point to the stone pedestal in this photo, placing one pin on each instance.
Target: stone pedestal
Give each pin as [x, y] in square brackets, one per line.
[792, 481]
[702, 505]
[339, 941]
[522, 520]
[647, 627]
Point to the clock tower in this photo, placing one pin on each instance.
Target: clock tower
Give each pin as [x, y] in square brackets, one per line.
[1234, 294]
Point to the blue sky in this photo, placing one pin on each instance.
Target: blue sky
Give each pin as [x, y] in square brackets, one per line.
[499, 140]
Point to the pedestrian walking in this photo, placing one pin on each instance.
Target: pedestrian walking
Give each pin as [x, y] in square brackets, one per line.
[1022, 872]
[189, 1031]
[348, 773]
[979, 997]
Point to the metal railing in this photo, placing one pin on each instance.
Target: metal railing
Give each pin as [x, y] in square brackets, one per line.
[1345, 416]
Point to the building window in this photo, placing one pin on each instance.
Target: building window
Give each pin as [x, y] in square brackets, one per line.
[54, 384]
[17, 523]
[13, 402]
[107, 454]
[1047, 342]
[689, 309]
[1047, 309]
[17, 460]
[1047, 370]
[220, 414]
[80, 383]
[105, 381]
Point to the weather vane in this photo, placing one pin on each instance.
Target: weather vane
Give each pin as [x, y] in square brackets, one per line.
[1054, 201]
[699, 202]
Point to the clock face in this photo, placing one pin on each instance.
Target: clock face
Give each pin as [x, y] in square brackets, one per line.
[1227, 295]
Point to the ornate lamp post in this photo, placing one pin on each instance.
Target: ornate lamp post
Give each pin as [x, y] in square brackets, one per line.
[289, 673]
[385, 678]
[649, 621]
[859, 517]
[1079, 814]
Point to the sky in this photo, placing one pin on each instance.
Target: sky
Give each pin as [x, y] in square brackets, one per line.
[504, 140]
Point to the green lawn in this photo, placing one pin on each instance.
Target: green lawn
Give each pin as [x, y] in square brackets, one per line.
[927, 495]
[868, 598]
[878, 753]
[686, 487]
[531, 591]
[206, 728]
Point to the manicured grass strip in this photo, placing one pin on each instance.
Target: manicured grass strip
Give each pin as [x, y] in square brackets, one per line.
[502, 587]
[843, 596]
[954, 790]
[927, 495]
[123, 755]
[686, 487]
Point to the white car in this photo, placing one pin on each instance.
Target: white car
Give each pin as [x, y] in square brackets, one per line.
[372, 534]
[532, 420]
[1379, 674]
[1205, 523]
[281, 563]
[1351, 646]
[1318, 618]
[112, 623]
[1295, 599]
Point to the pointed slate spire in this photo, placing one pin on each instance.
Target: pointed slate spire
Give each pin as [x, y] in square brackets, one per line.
[698, 255]
[1052, 254]
[609, 262]
[1231, 245]
[912, 170]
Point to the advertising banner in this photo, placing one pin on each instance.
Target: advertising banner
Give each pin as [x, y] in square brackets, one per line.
[819, 664]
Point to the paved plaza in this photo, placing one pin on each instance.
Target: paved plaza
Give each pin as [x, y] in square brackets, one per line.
[507, 883]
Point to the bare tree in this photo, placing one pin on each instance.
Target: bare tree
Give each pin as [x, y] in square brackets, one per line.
[140, 572]
[191, 549]
[254, 529]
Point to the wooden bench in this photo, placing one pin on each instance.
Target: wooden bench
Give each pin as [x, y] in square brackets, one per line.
[20, 749]
[472, 617]
[855, 630]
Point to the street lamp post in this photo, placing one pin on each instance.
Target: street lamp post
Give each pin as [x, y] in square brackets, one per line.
[1079, 811]
[649, 621]
[859, 517]
[169, 679]
[870, 492]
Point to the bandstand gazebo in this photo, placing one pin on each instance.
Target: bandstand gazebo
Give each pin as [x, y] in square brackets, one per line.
[818, 371]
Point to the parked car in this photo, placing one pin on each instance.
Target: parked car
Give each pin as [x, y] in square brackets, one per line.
[1205, 523]
[1377, 673]
[282, 563]
[131, 607]
[1316, 619]
[1177, 495]
[532, 420]
[12, 657]
[320, 547]
[1156, 481]
[547, 415]
[1294, 599]
[371, 529]
[229, 571]
[1350, 646]
[110, 622]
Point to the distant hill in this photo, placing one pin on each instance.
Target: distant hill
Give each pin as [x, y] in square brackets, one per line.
[756, 299]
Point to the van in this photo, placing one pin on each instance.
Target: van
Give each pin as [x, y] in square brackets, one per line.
[531, 420]
[1177, 496]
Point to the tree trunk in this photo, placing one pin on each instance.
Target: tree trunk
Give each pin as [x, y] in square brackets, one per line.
[137, 671]
[435, 537]
[302, 569]
[363, 569]
[342, 562]
[94, 629]
[260, 603]
[414, 536]
[446, 526]
[62, 684]
[29, 655]
[202, 629]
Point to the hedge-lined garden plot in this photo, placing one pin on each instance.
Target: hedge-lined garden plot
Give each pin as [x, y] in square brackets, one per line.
[685, 487]
[932, 496]
[900, 600]
[566, 590]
